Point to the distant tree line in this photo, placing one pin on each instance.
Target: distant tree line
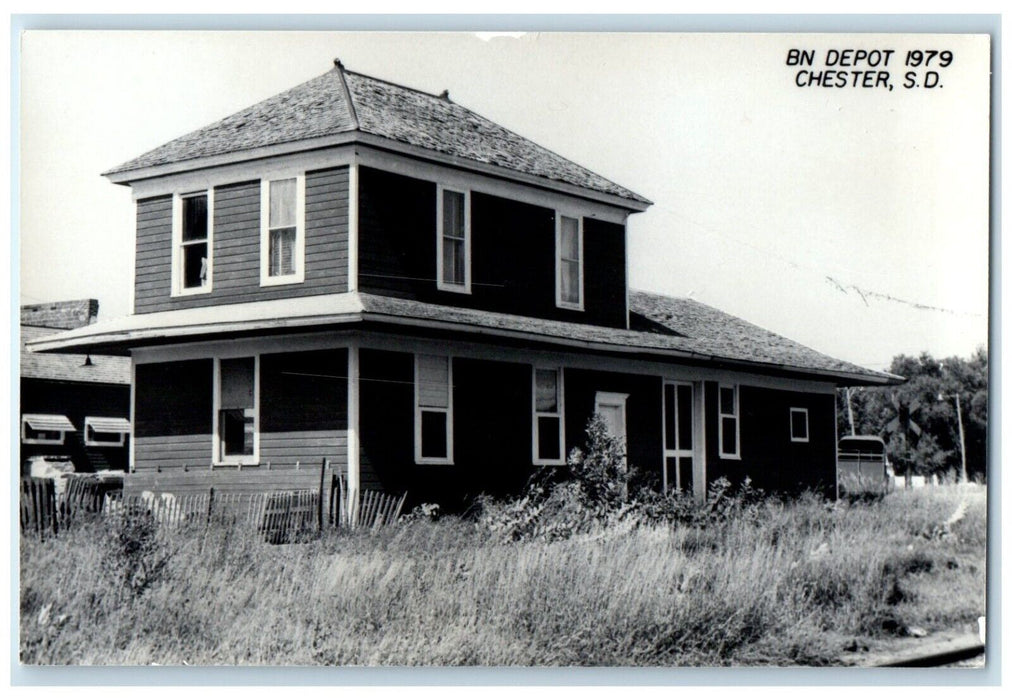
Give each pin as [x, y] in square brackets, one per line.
[919, 420]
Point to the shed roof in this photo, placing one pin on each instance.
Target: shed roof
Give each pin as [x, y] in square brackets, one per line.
[345, 102]
[661, 326]
[94, 369]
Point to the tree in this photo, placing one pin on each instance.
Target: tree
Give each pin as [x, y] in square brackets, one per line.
[918, 418]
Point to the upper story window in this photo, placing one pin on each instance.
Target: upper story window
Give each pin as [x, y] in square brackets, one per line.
[568, 262]
[727, 427]
[453, 240]
[282, 231]
[192, 234]
[236, 415]
[433, 409]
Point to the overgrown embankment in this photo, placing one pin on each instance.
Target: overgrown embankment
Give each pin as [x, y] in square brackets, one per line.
[745, 582]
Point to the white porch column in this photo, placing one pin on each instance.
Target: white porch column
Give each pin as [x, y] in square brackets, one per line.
[353, 443]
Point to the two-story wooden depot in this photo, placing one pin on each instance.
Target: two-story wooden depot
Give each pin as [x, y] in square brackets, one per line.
[361, 272]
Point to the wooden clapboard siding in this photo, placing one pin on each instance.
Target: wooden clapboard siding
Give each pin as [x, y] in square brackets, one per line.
[236, 242]
[512, 253]
[644, 436]
[173, 452]
[303, 408]
[232, 480]
[768, 457]
[172, 415]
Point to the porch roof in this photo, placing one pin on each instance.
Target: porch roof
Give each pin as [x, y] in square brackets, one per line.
[661, 326]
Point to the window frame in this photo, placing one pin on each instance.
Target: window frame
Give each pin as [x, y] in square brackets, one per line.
[38, 441]
[559, 413]
[804, 412]
[465, 287]
[101, 443]
[559, 302]
[178, 259]
[737, 422]
[218, 458]
[448, 411]
[299, 253]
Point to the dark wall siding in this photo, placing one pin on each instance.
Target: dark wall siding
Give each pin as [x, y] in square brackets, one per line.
[491, 428]
[512, 253]
[768, 457]
[386, 421]
[236, 273]
[303, 409]
[76, 401]
[172, 414]
[643, 414]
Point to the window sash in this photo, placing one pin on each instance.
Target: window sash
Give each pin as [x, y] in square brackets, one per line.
[728, 424]
[548, 422]
[453, 236]
[433, 409]
[282, 251]
[801, 416]
[569, 262]
[192, 230]
[236, 410]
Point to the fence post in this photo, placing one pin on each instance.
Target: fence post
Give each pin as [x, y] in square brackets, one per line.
[210, 503]
[319, 506]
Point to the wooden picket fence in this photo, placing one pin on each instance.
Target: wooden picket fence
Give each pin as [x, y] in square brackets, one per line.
[277, 516]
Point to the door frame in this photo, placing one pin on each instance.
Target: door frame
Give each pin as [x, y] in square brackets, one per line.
[698, 451]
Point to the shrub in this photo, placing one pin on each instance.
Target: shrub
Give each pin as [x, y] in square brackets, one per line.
[133, 554]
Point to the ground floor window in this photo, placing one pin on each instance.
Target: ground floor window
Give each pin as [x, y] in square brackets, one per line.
[237, 410]
[549, 438]
[433, 409]
[799, 425]
[728, 426]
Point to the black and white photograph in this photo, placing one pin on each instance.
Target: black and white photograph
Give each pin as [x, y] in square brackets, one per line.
[502, 349]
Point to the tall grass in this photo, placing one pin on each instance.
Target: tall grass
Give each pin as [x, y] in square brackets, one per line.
[784, 583]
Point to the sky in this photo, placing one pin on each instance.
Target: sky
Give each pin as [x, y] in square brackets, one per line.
[853, 220]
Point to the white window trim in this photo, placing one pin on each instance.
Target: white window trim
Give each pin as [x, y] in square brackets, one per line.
[419, 459]
[737, 423]
[790, 426]
[178, 290]
[102, 443]
[560, 414]
[558, 259]
[38, 441]
[464, 288]
[299, 276]
[217, 458]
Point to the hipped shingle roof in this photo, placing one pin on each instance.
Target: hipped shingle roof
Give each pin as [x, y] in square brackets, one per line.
[341, 101]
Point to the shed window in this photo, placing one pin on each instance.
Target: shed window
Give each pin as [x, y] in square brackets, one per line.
[282, 241]
[193, 260]
[39, 429]
[454, 241]
[433, 410]
[799, 425]
[105, 432]
[569, 262]
[548, 417]
[728, 425]
[237, 410]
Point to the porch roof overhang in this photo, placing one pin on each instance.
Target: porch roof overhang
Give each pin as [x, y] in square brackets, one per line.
[327, 312]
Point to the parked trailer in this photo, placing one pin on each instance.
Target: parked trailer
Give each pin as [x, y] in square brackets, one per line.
[862, 465]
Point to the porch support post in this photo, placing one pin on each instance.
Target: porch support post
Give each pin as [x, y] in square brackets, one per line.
[353, 225]
[353, 442]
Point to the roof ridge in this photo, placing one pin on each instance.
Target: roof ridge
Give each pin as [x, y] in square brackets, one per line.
[390, 82]
[352, 111]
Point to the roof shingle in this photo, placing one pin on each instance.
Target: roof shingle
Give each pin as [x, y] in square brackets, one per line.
[320, 107]
[103, 369]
